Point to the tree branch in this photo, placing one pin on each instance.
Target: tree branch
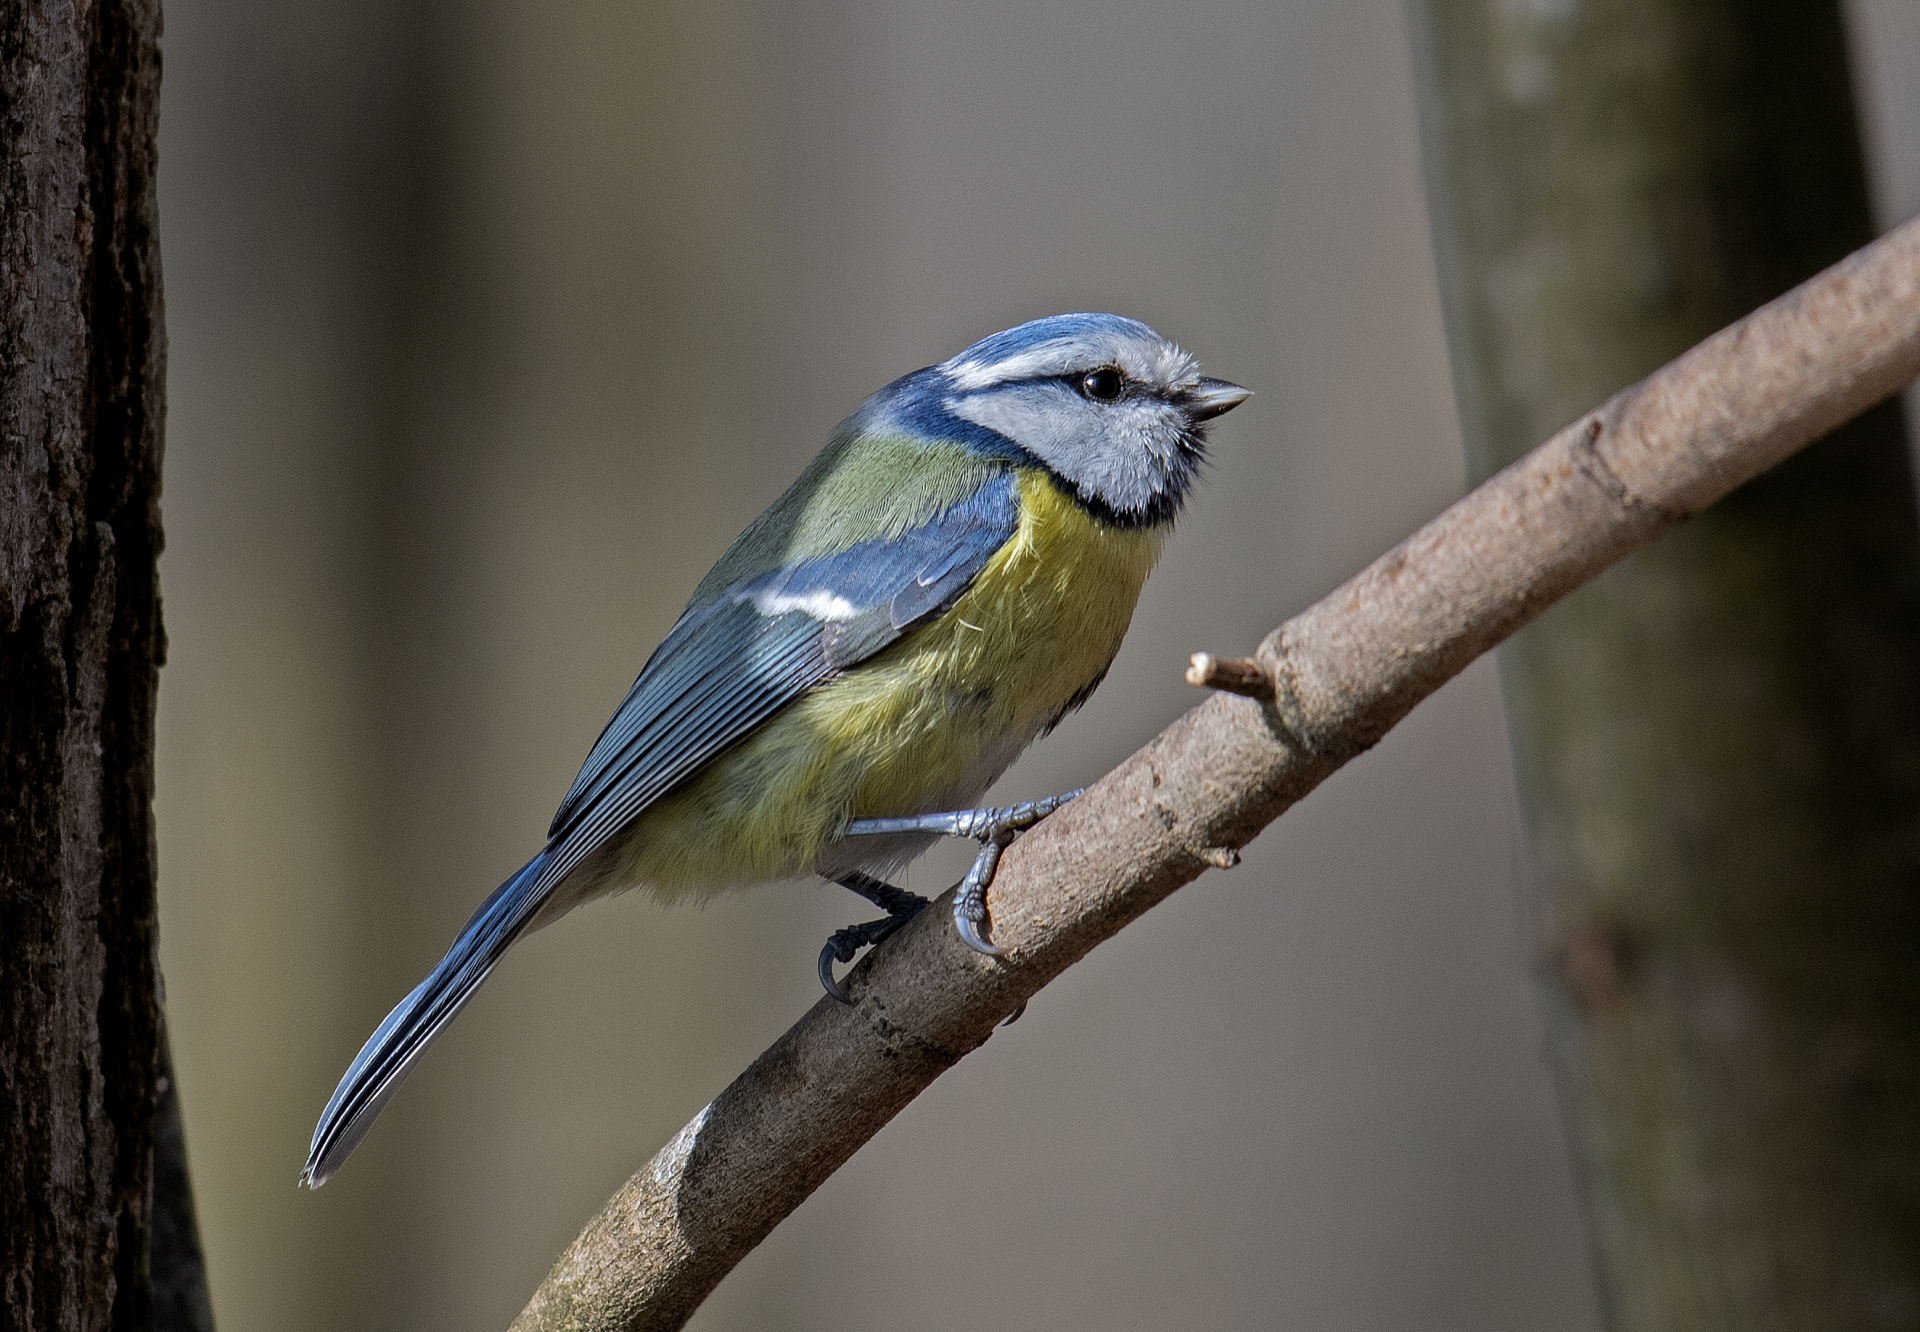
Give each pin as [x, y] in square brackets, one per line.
[1344, 672]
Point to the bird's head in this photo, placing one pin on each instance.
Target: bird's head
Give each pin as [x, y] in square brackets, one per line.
[1115, 411]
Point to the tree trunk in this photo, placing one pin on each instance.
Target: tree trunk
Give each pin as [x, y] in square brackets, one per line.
[83, 1097]
[1719, 741]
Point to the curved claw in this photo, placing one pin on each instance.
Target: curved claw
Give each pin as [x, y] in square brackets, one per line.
[827, 982]
[970, 935]
[970, 897]
[846, 944]
[994, 828]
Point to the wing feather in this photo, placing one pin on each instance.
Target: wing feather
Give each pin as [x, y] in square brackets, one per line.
[730, 664]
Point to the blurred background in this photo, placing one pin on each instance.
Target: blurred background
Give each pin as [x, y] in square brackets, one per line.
[492, 323]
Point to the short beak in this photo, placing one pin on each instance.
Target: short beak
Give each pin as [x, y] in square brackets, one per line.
[1214, 397]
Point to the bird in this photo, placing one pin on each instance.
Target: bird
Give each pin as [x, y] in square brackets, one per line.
[947, 580]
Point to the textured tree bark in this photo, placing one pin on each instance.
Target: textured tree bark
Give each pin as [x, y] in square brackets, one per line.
[81, 379]
[1719, 741]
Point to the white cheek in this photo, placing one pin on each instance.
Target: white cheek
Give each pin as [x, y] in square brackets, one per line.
[1118, 454]
[1049, 421]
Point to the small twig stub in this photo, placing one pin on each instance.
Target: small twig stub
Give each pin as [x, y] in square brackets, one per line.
[1235, 675]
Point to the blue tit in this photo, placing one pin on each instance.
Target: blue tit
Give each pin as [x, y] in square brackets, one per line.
[946, 581]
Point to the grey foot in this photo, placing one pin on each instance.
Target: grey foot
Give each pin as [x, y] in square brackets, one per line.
[995, 828]
[900, 905]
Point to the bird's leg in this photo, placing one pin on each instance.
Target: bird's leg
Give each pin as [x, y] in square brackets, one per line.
[900, 905]
[994, 828]
[894, 901]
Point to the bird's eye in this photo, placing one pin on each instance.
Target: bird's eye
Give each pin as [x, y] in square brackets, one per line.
[1102, 385]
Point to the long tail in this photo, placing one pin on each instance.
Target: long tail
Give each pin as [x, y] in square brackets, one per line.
[384, 1061]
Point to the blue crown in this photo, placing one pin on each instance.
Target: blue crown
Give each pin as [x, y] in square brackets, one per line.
[1012, 341]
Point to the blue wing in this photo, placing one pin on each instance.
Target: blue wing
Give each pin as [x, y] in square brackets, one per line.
[731, 664]
[727, 666]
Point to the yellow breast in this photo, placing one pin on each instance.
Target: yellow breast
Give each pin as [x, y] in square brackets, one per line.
[925, 725]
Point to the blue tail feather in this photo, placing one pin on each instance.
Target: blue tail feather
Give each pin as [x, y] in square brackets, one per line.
[384, 1061]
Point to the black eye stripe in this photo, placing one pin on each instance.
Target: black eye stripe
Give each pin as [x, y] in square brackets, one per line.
[1103, 385]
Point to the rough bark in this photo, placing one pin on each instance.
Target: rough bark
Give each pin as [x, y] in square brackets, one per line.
[81, 379]
[1344, 672]
[181, 1300]
[1719, 742]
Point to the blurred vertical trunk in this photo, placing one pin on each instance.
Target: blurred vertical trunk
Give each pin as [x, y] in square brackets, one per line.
[1718, 742]
[88, 1121]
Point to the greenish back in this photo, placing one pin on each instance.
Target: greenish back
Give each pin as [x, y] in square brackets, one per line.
[859, 488]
